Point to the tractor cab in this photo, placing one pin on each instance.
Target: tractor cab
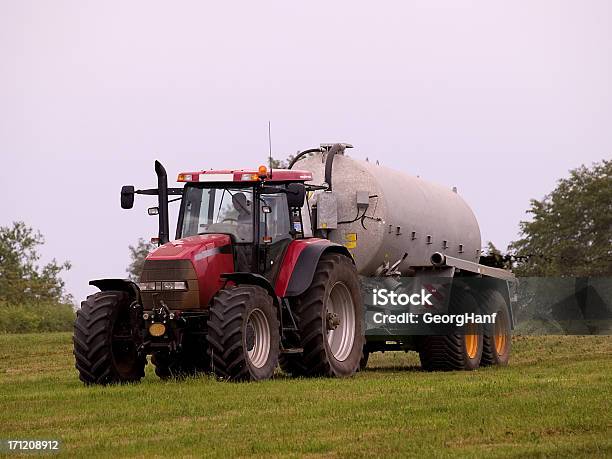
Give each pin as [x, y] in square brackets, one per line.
[259, 210]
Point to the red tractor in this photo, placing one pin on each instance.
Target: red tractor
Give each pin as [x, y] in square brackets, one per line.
[238, 291]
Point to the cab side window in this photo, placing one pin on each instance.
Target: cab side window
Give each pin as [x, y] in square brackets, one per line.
[274, 224]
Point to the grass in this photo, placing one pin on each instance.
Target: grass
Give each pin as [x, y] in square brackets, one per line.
[554, 400]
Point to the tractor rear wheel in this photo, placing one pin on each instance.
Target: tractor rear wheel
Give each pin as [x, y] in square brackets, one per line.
[330, 319]
[243, 334]
[497, 346]
[104, 349]
[456, 351]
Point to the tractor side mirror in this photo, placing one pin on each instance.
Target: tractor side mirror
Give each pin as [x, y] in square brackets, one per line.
[127, 197]
[296, 193]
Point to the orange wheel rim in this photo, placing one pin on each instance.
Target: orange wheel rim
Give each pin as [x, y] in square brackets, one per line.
[501, 336]
[471, 345]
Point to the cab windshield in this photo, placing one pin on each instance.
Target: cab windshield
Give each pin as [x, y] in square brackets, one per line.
[229, 210]
[218, 210]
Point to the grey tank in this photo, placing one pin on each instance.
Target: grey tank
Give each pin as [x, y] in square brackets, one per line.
[404, 215]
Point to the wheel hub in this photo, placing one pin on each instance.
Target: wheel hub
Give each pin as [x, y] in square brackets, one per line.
[340, 321]
[250, 337]
[333, 320]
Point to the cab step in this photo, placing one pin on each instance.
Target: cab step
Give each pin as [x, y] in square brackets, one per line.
[293, 350]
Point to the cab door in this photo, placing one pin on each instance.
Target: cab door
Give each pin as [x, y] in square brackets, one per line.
[274, 233]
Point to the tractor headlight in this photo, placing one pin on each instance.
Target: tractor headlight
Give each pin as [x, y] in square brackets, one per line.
[182, 285]
[147, 286]
[166, 285]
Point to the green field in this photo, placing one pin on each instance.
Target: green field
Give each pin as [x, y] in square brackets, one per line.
[554, 399]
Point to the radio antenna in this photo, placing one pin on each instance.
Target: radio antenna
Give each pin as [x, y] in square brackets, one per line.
[270, 146]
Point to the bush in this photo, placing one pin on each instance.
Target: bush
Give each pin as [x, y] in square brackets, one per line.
[35, 317]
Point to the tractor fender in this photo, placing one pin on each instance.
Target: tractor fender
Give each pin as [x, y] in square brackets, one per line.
[252, 279]
[123, 285]
[300, 263]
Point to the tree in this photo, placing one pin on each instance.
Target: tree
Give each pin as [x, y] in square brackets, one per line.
[281, 163]
[570, 233]
[138, 254]
[493, 257]
[22, 280]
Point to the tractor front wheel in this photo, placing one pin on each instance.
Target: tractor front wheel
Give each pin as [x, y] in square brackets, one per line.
[243, 334]
[104, 349]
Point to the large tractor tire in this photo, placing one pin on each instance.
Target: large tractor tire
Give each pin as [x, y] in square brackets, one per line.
[104, 349]
[497, 346]
[455, 351]
[243, 334]
[330, 320]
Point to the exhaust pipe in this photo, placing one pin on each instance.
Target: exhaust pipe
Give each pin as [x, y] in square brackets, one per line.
[162, 194]
[438, 259]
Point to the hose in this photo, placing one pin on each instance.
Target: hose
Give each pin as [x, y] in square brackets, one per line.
[301, 154]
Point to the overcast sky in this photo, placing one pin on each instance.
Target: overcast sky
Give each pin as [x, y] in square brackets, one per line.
[500, 99]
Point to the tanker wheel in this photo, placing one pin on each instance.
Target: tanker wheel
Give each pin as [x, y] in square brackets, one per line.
[104, 349]
[456, 351]
[497, 346]
[330, 319]
[243, 334]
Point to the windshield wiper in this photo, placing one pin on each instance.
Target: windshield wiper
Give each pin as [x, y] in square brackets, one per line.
[220, 204]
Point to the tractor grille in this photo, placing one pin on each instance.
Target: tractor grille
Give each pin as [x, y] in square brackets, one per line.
[171, 270]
